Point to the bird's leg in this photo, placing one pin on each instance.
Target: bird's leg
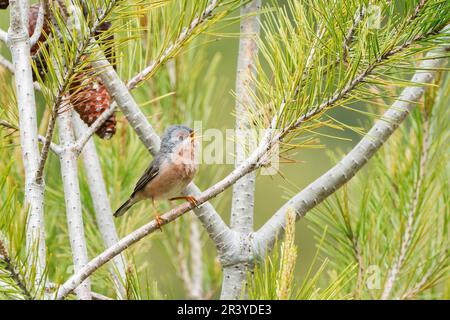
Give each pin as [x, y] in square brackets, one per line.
[158, 218]
[189, 199]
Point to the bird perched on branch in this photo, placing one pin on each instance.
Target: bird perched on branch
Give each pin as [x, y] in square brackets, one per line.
[171, 170]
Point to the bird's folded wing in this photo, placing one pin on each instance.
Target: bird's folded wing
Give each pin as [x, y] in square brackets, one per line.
[149, 174]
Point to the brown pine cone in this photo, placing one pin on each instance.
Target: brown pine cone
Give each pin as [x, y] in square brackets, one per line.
[90, 101]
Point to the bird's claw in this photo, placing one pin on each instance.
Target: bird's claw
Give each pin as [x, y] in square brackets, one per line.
[159, 222]
[192, 201]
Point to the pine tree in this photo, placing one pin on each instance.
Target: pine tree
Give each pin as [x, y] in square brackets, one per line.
[309, 74]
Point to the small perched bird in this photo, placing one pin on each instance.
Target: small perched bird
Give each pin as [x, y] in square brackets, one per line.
[171, 170]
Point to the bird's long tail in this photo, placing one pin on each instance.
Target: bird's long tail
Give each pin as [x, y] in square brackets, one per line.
[124, 208]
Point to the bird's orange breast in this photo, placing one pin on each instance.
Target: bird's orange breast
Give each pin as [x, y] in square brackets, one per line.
[175, 173]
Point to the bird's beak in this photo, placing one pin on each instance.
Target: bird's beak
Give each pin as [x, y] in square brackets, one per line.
[193, 135]
[193, 141]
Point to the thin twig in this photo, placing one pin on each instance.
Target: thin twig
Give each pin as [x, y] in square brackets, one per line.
[3, 36]
[244, 189]
[182, 262]
[6, 124]
[351, 33]
[92, 129]
[309, 60]
[15, 277]
[416, 12]
[46, 145]
[66, 81]
[53, 146]
[39, 24]
[424, 282]
[408, 232]
[359, 259]
[69, 173]
[99, 296]
[51, 288]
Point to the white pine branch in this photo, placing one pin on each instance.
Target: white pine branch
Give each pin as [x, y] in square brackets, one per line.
[39, 24]
[69, 173]
[168, 52]
[343, 171]
[19, 44]
[122, 96]
[52, 287]
[242, 206]
[244, 189]
[6, 64]
[102, 207]
[9, 66]
[3, 36]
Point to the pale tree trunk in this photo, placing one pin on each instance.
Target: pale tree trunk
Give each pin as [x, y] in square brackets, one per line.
[196, 259]
[69, 173]
[19, 44]
[234, 275]
[102, 207]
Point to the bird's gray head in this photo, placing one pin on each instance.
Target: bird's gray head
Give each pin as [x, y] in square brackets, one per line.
[173, 136]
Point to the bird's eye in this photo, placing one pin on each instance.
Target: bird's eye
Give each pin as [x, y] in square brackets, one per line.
[180, 138]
